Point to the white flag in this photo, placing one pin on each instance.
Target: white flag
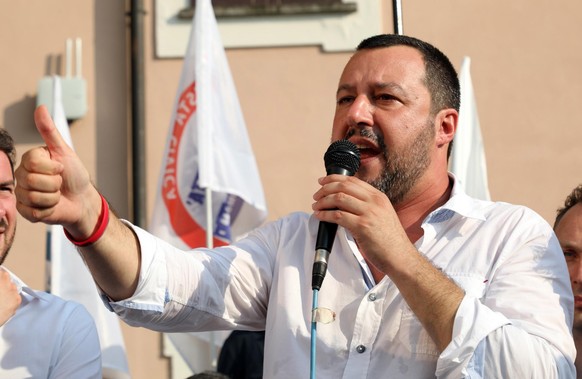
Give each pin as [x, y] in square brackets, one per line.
[70, 279]
[207, 149]
[468, 155]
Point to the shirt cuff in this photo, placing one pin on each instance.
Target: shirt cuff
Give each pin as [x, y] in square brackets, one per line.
[151, 290]
[473, 322]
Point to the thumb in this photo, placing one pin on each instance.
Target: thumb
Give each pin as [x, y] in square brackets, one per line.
[49, 132]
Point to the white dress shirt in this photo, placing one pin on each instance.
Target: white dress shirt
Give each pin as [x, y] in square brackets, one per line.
[514, 321]
[49, 337]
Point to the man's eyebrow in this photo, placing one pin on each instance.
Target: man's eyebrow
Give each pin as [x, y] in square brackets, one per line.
[567, 244]
[389, 85]
[379, 85]
[344, 87]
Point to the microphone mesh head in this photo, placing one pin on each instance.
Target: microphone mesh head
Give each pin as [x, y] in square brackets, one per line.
[342, 154]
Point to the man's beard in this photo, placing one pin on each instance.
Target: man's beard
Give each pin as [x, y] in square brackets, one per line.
[577, 290]
[404, 168]
[8, 240]
[577, 320]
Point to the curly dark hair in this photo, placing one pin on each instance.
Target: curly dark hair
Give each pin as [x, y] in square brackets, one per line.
[573, 198]
[7, 146]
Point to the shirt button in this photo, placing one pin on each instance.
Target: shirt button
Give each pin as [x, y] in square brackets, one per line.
[360, 349]
[372, 297]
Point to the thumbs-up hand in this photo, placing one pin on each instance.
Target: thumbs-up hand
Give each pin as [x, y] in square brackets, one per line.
[53, 186]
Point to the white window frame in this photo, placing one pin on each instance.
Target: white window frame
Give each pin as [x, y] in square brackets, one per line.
[333, 33]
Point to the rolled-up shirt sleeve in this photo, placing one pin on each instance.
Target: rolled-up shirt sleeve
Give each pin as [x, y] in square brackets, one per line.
[519, 325]
[198, 290]
[151, 291]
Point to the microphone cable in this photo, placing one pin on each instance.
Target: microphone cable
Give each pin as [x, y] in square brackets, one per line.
[343, 158]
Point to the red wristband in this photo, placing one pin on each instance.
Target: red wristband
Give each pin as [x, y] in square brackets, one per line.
[99, 229]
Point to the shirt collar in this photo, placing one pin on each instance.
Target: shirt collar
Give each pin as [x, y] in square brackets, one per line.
[22, 287]
[460, 203]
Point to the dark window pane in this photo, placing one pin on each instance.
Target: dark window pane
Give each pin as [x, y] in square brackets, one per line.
[254, 8]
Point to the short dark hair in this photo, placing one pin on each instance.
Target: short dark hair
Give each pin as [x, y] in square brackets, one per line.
[7, 146]
[575, 197]
[441, 78]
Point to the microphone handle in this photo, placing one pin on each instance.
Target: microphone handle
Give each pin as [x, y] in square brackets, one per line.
[339, 171]
[323, 245]
[325, 238]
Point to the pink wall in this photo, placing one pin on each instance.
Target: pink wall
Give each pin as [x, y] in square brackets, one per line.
[526, 70]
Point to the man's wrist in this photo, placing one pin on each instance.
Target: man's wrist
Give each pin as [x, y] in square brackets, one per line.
[99, 229]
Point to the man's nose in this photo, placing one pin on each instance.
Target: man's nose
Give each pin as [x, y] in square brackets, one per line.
[361, 111]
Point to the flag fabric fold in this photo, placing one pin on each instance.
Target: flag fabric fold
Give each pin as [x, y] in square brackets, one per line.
[69, 278]
[209, 181]
[468, 155]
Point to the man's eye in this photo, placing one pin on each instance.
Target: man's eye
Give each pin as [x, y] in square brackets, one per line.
[344, 100]
[569, 254]
[385, 97]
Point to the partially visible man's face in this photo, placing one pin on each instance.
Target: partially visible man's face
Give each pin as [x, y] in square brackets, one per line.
[7, 207]
[569, 233]
[384, 107]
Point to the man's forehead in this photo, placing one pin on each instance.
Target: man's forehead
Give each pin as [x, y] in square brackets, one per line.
[4, 157]
[575, 212]
[386, 58]
[384, 66]
[396, 52]
[572, 219]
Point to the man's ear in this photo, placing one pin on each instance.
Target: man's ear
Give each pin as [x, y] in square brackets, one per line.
[446, 125]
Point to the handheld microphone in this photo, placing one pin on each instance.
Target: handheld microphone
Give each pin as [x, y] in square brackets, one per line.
[342, 157]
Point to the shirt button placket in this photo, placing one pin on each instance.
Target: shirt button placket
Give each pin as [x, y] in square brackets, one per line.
[361, 348]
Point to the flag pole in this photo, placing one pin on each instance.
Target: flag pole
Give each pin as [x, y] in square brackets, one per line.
[209, 218]
[210, 245]
[209, 214]
[397, 16]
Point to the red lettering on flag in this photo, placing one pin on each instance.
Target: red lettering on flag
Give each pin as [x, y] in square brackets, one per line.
[182, 222]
